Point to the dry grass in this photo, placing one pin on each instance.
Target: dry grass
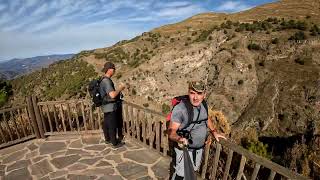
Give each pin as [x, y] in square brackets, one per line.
[220, 122]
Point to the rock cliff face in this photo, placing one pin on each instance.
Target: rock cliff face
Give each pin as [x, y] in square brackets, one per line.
[287, 92]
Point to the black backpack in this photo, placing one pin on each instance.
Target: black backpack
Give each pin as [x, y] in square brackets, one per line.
[94, 91]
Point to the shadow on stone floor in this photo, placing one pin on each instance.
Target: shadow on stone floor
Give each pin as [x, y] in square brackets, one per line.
[81, 157]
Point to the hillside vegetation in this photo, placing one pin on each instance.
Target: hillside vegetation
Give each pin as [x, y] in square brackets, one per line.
[62, 80]
[262, 68]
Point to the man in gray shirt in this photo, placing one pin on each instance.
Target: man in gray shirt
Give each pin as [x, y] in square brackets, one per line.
[111, 107]
[196, 134]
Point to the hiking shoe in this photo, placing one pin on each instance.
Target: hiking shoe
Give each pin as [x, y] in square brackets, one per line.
[121, 138]
[120, 141]
[119, 144]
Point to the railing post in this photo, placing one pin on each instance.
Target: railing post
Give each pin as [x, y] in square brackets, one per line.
[33, 117]
[38, 117]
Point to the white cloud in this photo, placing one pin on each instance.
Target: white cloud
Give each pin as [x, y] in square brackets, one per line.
[173, 4]
[232, 6]
[185, 11]
[141, 19]
[41, 10]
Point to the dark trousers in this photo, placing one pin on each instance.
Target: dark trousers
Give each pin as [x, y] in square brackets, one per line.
[112, 126]
[119, 122]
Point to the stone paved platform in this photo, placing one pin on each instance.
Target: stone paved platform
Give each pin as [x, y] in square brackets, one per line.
[81, 158]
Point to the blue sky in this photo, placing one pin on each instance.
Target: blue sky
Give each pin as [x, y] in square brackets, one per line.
[41, 27]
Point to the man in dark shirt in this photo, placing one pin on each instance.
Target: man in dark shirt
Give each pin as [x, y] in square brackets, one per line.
[111, 107]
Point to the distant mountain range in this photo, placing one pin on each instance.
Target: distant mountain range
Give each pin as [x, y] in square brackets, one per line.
[17, 67]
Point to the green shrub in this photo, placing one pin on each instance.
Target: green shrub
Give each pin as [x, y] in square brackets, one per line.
[240, 28]
[118, 75]
[6, 87]
[257, 147]
[253, 46]
[235, 45]
[273, 20]
[237, 23]
[226, 25]
[134, 92]
[99, 55]
[299, 61]
[165, 108]
[204, 35]
[145, 105]
[134, 63]
[298, 36]
[315, 30]
[115, 55]
[136, 53]
[292, 24]
[3, 97]
[275, 41]
[255, 26]
[305, 57]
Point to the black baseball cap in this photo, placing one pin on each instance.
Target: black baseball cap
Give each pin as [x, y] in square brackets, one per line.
[108, 65]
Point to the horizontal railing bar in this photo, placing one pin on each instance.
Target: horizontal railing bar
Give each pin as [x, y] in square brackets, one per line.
[17, 141]
[145, 109]
[264, 162]
[73, 132]
[12, 109]
[65, 101]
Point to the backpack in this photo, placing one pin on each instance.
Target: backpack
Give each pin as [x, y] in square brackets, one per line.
[94, 91]
[184, 99]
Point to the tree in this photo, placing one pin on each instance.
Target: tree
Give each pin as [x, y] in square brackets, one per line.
[298, 36]
[5, 91]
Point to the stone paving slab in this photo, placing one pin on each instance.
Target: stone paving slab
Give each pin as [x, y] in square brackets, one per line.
[81, 157]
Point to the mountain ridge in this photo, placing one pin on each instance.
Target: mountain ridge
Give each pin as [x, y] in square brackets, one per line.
[12, 68]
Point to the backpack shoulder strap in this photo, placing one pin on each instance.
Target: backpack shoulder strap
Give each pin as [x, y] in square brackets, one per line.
[189, 108]
[205, 104]
[100, 79]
